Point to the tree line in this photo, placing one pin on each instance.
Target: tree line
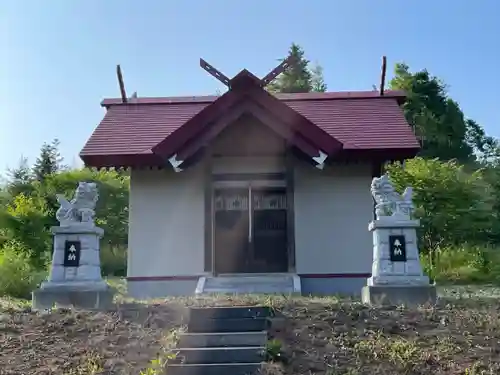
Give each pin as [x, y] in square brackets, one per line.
[456, 179]
[27, 212]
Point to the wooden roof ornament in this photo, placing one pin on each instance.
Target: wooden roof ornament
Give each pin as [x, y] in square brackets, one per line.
[183, 144]
[382, 75]
[269, 77]
[285, 64]
[121, 84]
[214, 72]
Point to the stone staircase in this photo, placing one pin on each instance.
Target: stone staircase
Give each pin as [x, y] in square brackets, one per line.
[222, 340]
[249, 284]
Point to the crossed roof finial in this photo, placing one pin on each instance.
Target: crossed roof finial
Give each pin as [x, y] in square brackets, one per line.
[271, 76]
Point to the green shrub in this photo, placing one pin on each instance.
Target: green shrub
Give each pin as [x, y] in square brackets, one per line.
[453, 205]
[18, 277]
[26, 222]
[274, 351]
[112, 206]
[113, 261]
[464, 265]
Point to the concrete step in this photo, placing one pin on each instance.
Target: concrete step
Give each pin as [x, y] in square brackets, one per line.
[227, 325]
[248, 290]
[231, 312]
[207, 340]
[262, 284]
[214, 369]
[220, 355]
[243, 280]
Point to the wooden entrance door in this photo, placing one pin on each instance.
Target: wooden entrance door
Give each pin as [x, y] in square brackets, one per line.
[269, 230]
[231, 230]
[250, 230]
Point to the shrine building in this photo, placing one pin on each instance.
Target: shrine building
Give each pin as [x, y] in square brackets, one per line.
[250, 191]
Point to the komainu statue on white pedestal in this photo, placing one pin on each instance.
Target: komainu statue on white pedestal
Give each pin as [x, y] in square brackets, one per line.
[389, 203]
[81, 209]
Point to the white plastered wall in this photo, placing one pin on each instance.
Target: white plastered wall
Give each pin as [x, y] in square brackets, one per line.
[166, 223]
[332, 210]
[262, 164]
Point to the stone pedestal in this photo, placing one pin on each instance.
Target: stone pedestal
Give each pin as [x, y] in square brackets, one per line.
[397, 278]
[77, 283]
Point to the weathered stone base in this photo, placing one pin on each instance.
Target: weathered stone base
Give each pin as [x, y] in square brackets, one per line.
[85, 299]
[399, 295]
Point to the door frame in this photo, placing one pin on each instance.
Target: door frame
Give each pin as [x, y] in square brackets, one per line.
[252, 181]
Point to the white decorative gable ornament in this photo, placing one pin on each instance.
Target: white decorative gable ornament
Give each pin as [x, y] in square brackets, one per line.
[80, 211]
[389, 203]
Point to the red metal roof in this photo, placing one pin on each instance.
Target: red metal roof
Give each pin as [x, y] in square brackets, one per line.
[360, 120]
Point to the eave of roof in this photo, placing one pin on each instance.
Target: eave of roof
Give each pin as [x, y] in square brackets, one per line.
[400, 96]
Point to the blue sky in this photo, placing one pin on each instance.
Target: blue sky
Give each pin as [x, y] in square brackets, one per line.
[59, 56]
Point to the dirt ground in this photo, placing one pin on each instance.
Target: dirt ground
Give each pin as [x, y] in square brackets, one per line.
[84, 343]
[318, 336]
[459, 338]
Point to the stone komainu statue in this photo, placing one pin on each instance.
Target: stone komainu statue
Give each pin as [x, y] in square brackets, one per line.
[81, 209]
[389, 203]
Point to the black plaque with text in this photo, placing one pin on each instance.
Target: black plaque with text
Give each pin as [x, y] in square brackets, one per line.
[72, 251]
[397, 248]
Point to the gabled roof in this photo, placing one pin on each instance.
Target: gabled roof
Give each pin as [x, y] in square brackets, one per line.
[247, 96]
[143, 131]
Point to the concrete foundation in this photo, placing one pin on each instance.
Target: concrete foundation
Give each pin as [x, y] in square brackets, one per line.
[399, 295]
[73, 297]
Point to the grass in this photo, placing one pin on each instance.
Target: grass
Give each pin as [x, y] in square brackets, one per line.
[318, 335]
[9, 303]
